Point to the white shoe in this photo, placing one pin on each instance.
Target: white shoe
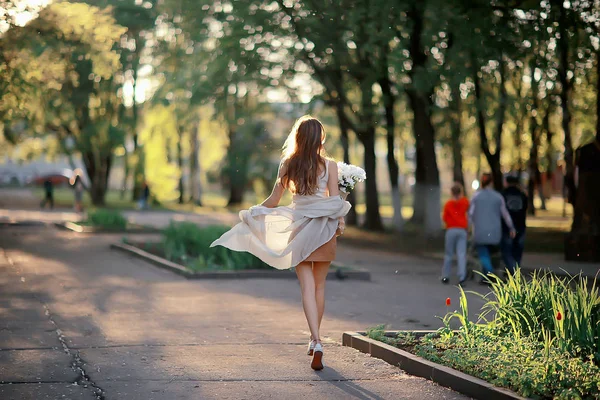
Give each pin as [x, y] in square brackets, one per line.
[311, 347]
[317, 361]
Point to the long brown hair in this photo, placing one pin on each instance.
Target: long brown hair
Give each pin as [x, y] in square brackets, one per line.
[303, 153]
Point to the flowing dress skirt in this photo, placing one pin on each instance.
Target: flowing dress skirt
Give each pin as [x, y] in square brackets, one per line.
[283, 237]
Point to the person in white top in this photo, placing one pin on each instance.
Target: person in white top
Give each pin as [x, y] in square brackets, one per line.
[303, 234]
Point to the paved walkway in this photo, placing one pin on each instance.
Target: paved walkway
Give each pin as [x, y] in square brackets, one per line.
[71, 311]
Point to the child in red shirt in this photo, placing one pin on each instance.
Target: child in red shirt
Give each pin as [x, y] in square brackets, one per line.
[455, 217]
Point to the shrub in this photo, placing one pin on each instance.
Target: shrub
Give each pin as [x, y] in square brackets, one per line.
[190, 244]
[106, 219]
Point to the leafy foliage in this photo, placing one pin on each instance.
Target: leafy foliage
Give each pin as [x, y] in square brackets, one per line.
[190, 244]
[106, 219]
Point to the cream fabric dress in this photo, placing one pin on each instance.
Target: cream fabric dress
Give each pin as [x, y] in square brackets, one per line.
[285, 236]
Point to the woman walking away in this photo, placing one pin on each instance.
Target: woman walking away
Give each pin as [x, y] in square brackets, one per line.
[486, 213]
[303, 234]
[455, 218]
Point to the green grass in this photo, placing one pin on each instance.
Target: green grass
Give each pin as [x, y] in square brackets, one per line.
[539, 337]
[109, 219]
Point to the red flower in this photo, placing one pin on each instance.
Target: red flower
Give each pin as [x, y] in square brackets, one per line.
[558, 316]
[448, 302]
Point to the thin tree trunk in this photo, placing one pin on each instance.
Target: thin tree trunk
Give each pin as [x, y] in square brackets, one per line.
[373, 218]
[196, 184]
[351, 218]
[549, 147]
[565, 97]
[533, 152]
[493, 159]
[393, 169]
[138, 169]
[456, 127]
[236, 181]
[367, 137]
[180, 165]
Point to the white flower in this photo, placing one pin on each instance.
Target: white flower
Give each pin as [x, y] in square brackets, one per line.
[349, 176]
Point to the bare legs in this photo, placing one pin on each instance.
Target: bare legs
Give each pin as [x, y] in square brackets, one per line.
[312, 283]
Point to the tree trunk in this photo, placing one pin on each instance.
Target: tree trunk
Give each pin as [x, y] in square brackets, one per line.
[549, 147]
[393, 169]
[125, 173]
[427, 185]
[427, 179]
[180, 165]
[456, 126]
[236, 183]
[98, 170]
[493, 159]
[533, 167]
[138, 169]
[372, 216]
[196, 185]
[565, 96]
[351, 218]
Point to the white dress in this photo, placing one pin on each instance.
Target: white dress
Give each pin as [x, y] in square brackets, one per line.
[285, 236]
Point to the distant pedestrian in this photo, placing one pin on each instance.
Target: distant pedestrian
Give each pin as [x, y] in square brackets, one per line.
[455, 218]
[516, 203]
[49, 194]
[78, 189]
[145, 197]
[486, 213]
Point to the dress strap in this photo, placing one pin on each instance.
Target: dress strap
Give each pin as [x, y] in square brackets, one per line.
[326, 169]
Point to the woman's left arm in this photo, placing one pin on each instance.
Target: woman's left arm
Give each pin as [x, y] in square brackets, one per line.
[332, 180]
[273, 200]
[334, 190]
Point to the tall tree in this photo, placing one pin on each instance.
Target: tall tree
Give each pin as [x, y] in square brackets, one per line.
[80, 100]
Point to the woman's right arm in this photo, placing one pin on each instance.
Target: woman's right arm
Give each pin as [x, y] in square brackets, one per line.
[273, 200]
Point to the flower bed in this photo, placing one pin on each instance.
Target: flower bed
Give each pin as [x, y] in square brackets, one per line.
[185, 249]
[188, 244]
[542, 338]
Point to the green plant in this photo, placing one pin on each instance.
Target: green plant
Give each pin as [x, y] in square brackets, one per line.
[522, 365]
[190, 244]
[540, 337]
[548, 307]
[106, 219]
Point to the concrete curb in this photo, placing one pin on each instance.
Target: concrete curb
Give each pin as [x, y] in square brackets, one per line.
[241, 274]
[417, 366]
[72, 226]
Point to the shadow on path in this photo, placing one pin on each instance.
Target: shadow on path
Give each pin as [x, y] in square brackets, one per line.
[333, 377]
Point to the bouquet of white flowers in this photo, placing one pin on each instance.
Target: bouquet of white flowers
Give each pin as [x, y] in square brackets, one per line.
[348, 176]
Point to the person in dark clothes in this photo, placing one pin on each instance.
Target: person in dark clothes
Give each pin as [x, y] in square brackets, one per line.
[516, 203]
[49, 190]
[486, 213]
[145, 197]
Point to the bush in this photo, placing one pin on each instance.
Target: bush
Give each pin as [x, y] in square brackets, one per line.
[188, 243]
[106, 219]
[542, 339]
